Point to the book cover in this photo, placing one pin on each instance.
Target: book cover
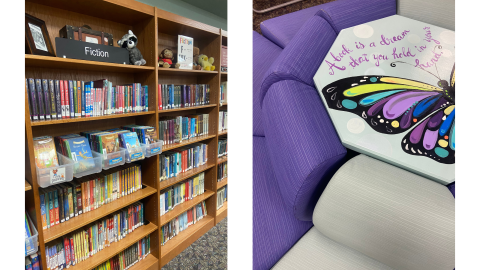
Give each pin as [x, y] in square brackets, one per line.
[72, 98]
[46, 96]
[40, 99]
[45, 153]
[33, 99]
[67, 99]
[58, 99]
[129, 141]
[79, 150]
[53, 102]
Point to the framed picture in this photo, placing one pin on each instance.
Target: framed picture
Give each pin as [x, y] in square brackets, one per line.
[37, 40]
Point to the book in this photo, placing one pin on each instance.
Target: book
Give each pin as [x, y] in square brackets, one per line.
[40, 99]
[79, 150]
[45, 153]
[46, 96]
[182, 222]
[129, 141]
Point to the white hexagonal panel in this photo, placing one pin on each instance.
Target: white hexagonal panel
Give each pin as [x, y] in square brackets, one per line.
[389, 87]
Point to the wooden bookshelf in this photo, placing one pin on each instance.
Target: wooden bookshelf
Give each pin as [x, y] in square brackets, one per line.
[222, 183]
[74, 223]
[27, 186]
[156, 29]
[222, 159]
[225, 132]
[221, 212]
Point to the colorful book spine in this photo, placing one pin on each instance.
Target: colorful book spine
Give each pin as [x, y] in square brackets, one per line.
[83, 97]
[58, 99]
[33, 98]
[53, 103]
[72, 98]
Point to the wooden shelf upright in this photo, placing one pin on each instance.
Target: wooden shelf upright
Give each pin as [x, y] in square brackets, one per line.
[156, 29]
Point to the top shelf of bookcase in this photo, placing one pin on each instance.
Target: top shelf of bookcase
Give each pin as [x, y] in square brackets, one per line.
[127, 12]
[172, 24]
[67, 63]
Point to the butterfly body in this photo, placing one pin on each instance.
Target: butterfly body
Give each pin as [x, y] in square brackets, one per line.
[392, 105]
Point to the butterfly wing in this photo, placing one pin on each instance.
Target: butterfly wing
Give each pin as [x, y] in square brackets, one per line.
[390, 105]
[434, 137]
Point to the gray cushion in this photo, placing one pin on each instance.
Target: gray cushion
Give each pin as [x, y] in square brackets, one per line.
[437, 12]
[316, 251]
[393, 216]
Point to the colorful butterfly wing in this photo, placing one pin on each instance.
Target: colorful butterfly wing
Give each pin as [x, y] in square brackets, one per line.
[389, 105]
[434, 137]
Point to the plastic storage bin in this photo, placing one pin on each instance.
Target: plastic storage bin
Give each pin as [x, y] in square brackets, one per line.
[152, 149]
[56, 174]
[84, 167]
[112, 159]
[134, 154]
[31, 243]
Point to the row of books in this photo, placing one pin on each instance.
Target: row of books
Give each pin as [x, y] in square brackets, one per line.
[222, 120]
[180, 128]
[221, 196]
[63, 99]
[182, 222]
[30, 243]
[128, 257]
[61, 202]
[222, 147]
[180, 193]
[182, 160]
[33, 262]
[182, 96]
[223, 92]
[85, 243]
[222, 171]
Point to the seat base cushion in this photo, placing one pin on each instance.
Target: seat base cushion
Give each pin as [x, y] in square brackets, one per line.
[316, 251]
[275, 228]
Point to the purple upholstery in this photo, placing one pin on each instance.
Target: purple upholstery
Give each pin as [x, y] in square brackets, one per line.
[300, 60]
[451, 187]
[343, 14]
[275, 229]
[264, 54]
[304, 147]
[280, 30]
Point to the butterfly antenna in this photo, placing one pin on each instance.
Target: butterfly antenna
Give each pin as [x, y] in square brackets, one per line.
[394, 65]
[440, 47]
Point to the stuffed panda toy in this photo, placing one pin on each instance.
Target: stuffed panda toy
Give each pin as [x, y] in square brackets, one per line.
[129, 42]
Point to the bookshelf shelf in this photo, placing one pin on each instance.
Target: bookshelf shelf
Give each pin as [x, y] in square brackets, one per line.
[76, 64]
[222, 212]
[182, 176]
[174, 71]
[179, 209]
[74, 223]
[156, 29]
[186, 142]
[150, 262]
[187, 108]
[178, 243]
[222, 159]
[224, 104]
[222, 183]
[83, 119]
[116, 247]
[225, 132]
[27, 186]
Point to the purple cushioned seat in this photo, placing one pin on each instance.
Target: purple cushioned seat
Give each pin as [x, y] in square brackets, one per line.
[280, 30]
[275, 229]
[451, 187]
[343, 14]
[303, 145]
[300, 60]
[264, 54]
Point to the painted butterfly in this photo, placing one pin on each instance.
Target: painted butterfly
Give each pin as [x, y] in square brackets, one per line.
[392, 105]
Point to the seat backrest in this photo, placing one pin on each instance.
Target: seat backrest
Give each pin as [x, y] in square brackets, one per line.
[436, 12]
[393, 216]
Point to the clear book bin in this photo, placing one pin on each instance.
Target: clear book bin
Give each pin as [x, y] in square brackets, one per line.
[134, 153]
[152, 149]
[56, 174]
[110, 160]
[85, 166]
[31, 243]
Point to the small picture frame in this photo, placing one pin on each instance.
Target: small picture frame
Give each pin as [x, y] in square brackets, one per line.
[37, 40]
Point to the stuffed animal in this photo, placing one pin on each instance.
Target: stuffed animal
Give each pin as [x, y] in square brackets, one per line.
[206, 62]
[165, 59]
[196, 53]
[129, 42]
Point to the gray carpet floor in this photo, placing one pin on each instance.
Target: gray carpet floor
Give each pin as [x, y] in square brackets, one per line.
[208, 252]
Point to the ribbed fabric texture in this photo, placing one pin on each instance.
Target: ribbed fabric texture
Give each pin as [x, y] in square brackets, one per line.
[316, 251]
[264, 54]
[280, 30]
[303, 145]
[343, 14]
[437, 12]
[275, 229]
[300, 60]
[393, 216]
